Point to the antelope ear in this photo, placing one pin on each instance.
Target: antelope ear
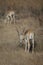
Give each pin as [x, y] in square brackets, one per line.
[18, 31]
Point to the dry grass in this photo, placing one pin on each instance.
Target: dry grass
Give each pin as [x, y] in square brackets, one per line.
[21, 3]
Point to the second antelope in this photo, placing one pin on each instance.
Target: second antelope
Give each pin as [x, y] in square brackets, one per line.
[10, 16]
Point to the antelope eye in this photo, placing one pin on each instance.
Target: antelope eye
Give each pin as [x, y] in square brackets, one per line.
[12, 16]
[23, 39]
[9, 16]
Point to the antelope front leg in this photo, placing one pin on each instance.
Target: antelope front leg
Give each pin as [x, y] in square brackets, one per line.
[32, 45]
[25, 45]
[28, 45]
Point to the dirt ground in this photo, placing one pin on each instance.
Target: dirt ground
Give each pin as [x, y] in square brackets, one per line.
[10, 51]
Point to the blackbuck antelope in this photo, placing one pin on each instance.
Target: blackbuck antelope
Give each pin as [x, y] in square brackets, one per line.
[10, 17]
[26, 37]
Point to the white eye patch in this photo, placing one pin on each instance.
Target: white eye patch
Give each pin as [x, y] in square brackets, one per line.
[31, 35]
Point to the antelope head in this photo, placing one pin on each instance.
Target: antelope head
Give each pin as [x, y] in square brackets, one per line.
[21, 35]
